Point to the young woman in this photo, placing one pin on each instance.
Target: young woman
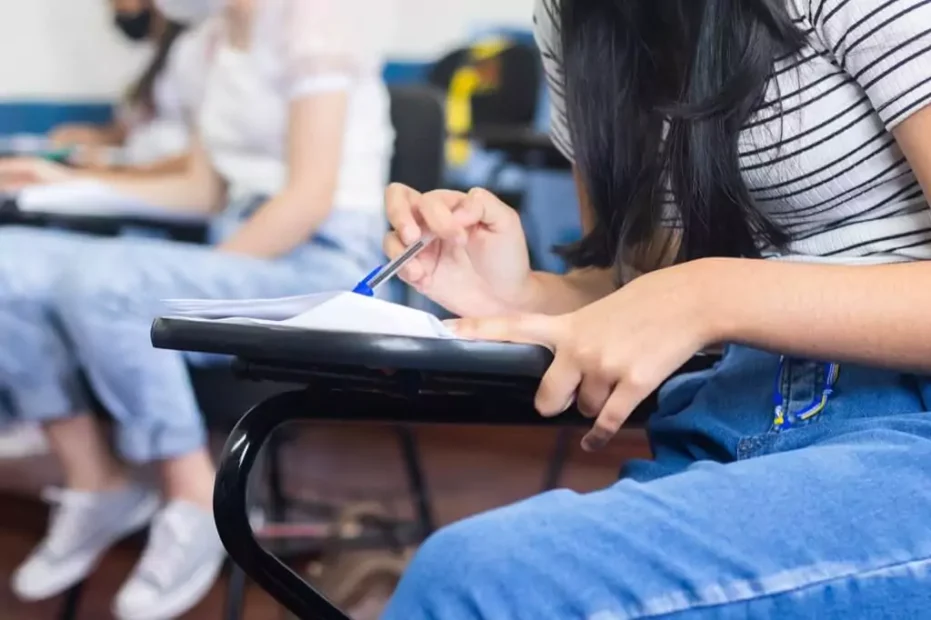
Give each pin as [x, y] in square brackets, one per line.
[791, 480]
[295, 136]
[151, 126]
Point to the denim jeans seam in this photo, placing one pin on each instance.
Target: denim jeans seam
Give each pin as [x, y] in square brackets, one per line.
[859, 574]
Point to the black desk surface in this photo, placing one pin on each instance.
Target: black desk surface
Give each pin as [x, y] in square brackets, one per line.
[372, 377]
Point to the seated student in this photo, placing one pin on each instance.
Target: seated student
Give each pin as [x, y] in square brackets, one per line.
[153, 128]
[295, 135]
[715, 134]
[150, 131]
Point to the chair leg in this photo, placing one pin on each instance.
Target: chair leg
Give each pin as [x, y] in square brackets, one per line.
[235, 594]
[557, 460]
[72, 603]
[423, 505]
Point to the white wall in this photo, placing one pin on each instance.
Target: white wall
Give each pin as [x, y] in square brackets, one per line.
[66, 50]
[63, 50]
[430, 27]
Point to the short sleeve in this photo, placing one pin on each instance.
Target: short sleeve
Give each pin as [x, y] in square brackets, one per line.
[885, 45]
[330, 43]
[547, 35]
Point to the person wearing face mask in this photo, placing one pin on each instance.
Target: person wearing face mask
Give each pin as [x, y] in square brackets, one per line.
[149, 131]
[291, 156]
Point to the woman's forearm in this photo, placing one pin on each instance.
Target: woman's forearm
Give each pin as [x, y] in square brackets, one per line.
[559, 294]
[876, 315]
[280, 225]
[180, 191]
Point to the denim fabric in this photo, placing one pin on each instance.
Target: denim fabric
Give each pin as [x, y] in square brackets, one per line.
[69, 301]
[735, 518]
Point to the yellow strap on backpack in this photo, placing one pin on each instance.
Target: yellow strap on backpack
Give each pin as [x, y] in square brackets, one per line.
[467, 81]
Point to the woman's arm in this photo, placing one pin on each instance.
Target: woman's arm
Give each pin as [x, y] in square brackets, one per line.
[877, 315]
[194, 187]
[77, 134]
[557, 294]
[315, 131]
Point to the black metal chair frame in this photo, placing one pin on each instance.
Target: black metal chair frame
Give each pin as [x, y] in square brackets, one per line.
[406, 398]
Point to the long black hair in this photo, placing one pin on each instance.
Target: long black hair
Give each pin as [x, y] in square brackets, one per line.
[142, 93]
[656, 94]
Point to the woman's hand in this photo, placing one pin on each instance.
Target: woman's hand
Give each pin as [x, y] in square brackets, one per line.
[612, 354]
[16, 173]
[478, 265]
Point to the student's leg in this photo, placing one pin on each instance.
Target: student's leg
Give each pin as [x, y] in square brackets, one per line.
[837, 530]
[107, 303]
[825, 520]
[99, 504]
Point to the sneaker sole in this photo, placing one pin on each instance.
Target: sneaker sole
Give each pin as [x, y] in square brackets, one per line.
[183, 599]
[81, 570]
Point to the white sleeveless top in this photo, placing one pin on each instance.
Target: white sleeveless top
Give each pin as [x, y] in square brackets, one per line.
[300, 48]
[826, 166]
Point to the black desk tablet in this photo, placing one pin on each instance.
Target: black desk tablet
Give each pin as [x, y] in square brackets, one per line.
[284, 346]
[358, 378]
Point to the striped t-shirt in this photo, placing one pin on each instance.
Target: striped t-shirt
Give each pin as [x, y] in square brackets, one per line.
[825, 165]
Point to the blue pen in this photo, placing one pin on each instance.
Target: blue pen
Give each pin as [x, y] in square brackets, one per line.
[383, 273]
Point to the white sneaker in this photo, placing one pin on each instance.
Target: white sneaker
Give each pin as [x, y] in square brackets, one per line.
[22, 440]
[83, 526]
[180, 563]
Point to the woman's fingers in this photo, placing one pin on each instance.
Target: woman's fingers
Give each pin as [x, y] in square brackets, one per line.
[412, 272]
[527, 328]
[482, 207]
[623, 400]
[436, 210]
[558, 388]
[399, 207]
[594, 392]
[410, 212]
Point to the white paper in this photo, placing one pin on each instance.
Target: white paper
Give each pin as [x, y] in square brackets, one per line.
[333, 311]
[88, 197]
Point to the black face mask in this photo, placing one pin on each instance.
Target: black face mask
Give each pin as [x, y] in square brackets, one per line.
[135, 26]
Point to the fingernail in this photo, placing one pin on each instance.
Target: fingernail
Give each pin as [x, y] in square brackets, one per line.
[410, 234]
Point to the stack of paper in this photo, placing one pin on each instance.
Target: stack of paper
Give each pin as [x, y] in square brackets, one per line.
[334, 311]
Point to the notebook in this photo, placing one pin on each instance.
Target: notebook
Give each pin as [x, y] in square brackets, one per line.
[93, 198]
[333, 311]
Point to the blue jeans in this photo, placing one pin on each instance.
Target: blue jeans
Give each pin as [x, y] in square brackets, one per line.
[735, 517]
[70, 302]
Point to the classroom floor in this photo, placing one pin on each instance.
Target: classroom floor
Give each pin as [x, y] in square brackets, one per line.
[468, 470]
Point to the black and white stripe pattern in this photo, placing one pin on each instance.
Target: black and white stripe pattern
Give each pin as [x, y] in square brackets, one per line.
[818, 154]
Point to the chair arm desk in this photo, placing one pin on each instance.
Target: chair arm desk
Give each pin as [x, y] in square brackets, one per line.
[101, 225]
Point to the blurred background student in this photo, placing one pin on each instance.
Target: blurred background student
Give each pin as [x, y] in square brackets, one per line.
[150, 131]
[149, 127]
[291, 153]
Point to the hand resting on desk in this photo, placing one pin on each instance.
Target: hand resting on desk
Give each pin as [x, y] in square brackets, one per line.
[613, 348]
